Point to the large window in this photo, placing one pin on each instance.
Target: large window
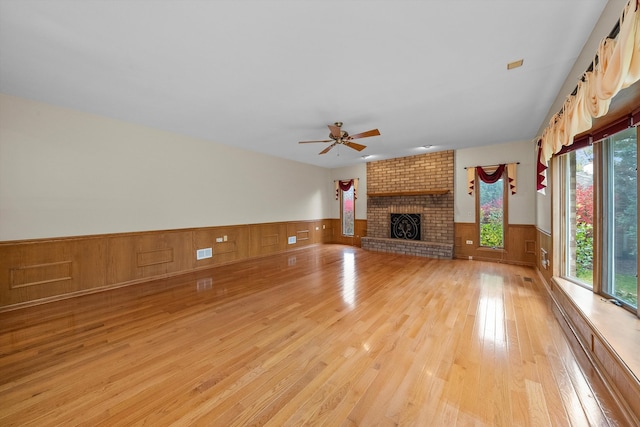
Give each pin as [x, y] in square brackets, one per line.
[600, 216]
[348, 211]
[491, 201]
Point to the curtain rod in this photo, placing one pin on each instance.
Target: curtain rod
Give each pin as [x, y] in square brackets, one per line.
[336, 180]
[613, 34]
[489, 166]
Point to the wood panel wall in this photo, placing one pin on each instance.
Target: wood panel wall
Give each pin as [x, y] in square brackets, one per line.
[40, 270]
[360, 230]
[584, 337]
[520, 245]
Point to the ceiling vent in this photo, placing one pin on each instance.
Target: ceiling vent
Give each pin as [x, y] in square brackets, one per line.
[515, 64]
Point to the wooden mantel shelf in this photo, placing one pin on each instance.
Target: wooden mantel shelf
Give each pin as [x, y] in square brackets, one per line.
[437, 192]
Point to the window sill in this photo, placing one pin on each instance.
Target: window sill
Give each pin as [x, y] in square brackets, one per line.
[490, 249]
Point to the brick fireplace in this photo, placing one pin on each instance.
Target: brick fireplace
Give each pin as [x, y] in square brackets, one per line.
[421, 185]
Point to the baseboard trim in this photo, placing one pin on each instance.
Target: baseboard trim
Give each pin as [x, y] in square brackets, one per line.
[499, 261]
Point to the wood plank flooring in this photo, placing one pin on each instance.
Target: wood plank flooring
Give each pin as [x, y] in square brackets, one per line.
[330, 335]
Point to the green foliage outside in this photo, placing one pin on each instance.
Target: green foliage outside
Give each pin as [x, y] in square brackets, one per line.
[491, 214]
[623, 211]
[584, 252]
[626, 289]
[491, 229]
[625, 218]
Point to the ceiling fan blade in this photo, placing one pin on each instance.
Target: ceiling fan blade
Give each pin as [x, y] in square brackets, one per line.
[335, 131]
[355, 146]
[326, 150]
[372, 132]
[307, 142]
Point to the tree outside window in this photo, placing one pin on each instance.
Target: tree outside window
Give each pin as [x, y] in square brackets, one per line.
[579, 215]
[491, 196]
[491, 203]
[621, 217]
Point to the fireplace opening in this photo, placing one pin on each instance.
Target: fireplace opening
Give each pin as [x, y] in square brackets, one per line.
[405, 226]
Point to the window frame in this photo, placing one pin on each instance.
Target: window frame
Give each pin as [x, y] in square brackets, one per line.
[342, 216]
[600, 232]
[505, 211]
[563, 161]
[608, 236]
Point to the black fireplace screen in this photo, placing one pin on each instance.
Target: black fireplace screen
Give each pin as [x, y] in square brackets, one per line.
[405, 226]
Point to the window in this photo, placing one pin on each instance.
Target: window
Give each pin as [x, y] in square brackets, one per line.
[620, 217]
[490, 200]
[348, 211]
[578, 215]
[600, 216]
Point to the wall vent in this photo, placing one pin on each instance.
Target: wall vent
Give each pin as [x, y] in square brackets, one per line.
[204, 253]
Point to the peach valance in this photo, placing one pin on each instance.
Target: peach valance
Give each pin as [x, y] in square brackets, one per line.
[617, 66]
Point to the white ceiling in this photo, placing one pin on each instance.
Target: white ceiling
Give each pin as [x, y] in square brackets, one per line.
[263, 75]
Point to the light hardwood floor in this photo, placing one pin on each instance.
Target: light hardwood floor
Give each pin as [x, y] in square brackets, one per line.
[330, 335]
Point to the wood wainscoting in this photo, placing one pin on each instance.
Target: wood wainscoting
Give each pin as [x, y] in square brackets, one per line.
[336, 236]
[35, 271]
[520, 245]
[602, 335]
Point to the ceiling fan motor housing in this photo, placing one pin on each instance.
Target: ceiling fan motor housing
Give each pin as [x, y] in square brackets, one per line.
[343, 134]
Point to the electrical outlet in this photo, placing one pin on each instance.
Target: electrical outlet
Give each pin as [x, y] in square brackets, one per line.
[219, 240]
[292, 240]
[469, 242]
[544, 260]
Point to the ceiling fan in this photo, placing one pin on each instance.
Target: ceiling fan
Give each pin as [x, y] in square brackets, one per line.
[339, 136]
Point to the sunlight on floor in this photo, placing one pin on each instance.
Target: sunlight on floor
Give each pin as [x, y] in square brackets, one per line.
[491, 312]
[349, 279]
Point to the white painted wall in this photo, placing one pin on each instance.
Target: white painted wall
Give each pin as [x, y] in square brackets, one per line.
[522, 205]
[67, 173]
